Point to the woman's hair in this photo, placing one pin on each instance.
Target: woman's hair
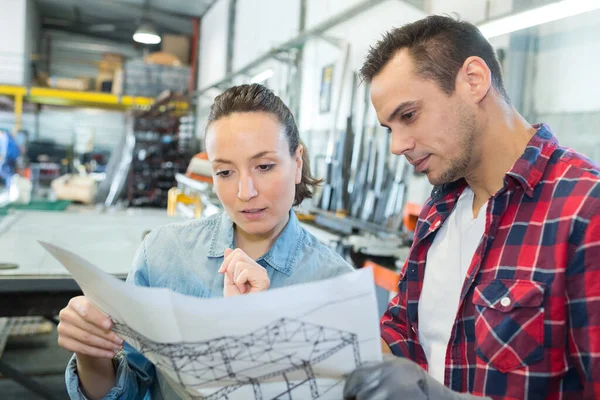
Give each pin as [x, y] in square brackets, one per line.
[258, 98]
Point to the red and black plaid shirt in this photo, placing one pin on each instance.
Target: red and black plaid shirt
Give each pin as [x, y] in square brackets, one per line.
[541, 251]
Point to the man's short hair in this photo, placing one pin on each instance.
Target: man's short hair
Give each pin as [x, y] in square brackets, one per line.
[439, 46]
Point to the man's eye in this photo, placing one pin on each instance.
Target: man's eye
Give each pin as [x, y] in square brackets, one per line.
[408, 116]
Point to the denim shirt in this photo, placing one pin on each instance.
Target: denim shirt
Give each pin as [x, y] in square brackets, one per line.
[185, 258]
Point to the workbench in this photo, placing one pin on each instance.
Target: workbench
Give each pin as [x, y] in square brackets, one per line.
[40, 285]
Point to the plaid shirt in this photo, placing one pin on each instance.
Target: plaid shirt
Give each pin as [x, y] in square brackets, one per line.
[528, 323]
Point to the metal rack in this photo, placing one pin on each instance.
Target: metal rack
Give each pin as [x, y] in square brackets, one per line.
[158, 154]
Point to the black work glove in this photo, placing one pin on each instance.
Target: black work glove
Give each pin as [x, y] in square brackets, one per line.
[398, 379]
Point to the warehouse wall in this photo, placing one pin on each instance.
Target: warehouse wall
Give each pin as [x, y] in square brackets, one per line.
[565, 94]
[261, 26]
[70, 126]
[473, 11]
[213, 44]
[360, 32]
[76, 56]
[12, 45]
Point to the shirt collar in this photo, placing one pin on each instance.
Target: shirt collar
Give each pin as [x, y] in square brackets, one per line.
[527, 170]
[282, 256]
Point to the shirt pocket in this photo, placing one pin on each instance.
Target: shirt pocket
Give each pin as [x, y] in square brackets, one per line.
[509, 323]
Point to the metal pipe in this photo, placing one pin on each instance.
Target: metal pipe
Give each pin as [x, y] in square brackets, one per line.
[18, 111]
[298, 63]
[194, 55]
[230, 36]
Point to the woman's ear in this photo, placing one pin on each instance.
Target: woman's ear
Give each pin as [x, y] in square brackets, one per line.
[299, 163]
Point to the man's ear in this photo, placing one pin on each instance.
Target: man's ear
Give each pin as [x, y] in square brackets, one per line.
[474, 79]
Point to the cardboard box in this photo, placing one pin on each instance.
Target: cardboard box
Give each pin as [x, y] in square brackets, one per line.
[75, 188]
[178, 45]
[80, 84]
[118, 82]
[162, 58]
[103, 76]
[113, 58]
[110, 63]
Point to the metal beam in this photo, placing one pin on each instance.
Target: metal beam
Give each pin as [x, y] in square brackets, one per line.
[299, 40]
[296, 96]
[118, 37]
[177, 22]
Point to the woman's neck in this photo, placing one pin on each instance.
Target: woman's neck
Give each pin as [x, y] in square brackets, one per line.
[254, 245]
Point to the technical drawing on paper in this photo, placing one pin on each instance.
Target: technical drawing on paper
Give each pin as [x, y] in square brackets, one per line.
[286, 349]
[278, 344]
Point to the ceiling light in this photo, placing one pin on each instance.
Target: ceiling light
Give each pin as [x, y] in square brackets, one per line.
[146, 34]
[263, 76]
[537, 16]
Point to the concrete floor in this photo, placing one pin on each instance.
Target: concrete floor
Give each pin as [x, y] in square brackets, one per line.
[39, 358]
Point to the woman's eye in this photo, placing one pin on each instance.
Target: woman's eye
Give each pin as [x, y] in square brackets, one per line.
[265, 167]
[223, 174]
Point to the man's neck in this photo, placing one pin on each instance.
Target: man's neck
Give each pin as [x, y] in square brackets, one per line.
[256, 246]
[503, 142]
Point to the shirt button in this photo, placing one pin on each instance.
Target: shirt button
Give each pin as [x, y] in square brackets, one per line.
[505, 302]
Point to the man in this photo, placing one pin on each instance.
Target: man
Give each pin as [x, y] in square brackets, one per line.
[9, 152]
[500, 295]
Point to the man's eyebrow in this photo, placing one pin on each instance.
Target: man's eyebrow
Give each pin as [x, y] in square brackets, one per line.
[402, 106]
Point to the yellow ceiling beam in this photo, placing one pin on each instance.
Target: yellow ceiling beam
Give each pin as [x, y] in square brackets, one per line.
[8, 90]
[71, 98]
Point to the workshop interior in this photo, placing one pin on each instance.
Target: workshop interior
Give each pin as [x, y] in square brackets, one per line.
[107, 109]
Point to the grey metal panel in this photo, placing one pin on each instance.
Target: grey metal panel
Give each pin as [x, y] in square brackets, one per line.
[82, 43]
[64, 124]
[75, 56]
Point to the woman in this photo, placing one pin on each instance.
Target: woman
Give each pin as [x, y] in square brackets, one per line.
[260, 171]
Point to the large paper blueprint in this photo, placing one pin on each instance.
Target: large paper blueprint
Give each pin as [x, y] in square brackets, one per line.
[291, 343]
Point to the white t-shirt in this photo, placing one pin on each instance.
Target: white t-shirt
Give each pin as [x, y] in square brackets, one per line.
[448, 261]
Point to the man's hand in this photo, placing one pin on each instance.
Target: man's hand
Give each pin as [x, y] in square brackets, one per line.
[397, 379]
[242, 274]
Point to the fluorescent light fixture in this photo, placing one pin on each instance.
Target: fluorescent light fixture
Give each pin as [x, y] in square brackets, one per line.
[263, 76]
[146, 34]
[537, 16]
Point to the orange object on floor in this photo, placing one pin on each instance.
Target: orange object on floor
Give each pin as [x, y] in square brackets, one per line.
[384, 277]
[411, 215]
[176, 196]
[199, 169]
